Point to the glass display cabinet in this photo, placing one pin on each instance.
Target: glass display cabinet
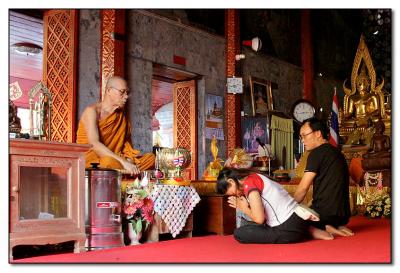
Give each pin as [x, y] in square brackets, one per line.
[47, 199]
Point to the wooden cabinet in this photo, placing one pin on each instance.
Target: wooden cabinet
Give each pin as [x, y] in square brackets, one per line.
[213, 214]
[47, 193]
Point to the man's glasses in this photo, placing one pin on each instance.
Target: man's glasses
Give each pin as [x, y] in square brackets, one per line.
[122, 92]
[303, 136]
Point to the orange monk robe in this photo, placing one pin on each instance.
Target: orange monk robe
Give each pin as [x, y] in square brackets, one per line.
[355, 169]
[115, 133]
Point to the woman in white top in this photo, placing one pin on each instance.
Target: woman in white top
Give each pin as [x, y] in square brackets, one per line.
[277, 218]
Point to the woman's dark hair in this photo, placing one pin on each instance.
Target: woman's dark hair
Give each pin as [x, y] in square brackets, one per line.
[225, 174]
[318, 125]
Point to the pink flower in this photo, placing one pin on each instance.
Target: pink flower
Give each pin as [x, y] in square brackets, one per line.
[147, 210]
[130, 210]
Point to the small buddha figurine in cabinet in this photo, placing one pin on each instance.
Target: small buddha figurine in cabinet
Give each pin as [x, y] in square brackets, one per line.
[14, 122]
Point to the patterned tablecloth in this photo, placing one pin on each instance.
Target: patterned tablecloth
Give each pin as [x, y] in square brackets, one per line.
[174, 204]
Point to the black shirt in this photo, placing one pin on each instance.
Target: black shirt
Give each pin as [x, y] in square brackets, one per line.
[331, 184]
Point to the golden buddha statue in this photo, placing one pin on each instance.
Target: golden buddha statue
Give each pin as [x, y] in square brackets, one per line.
[361, 136]
[212, 171]
[364, 101]
[363, 105]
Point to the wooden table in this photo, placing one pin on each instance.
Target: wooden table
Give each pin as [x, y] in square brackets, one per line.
[173, 207]
[160, 227]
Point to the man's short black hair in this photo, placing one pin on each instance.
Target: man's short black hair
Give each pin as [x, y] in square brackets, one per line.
[318, 125]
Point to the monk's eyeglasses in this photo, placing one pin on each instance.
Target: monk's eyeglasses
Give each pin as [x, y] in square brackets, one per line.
[122, 92]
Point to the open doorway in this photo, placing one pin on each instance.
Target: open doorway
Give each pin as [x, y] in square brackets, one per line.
[162, 113]
[175, 123]
[163, 83]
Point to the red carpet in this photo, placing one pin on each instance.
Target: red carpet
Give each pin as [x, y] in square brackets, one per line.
[370, 244]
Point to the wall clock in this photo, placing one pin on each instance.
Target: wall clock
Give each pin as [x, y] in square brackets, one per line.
[234, 85]
[302, 109]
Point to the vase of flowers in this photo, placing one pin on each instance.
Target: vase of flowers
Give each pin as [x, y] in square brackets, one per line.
[138, 209]
[134, 237]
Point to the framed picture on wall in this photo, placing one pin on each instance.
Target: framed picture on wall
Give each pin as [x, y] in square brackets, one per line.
[253, 128]
[261, 96]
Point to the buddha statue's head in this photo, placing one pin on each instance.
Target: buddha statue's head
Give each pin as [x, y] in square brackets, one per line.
[363, 81]
[379, 127]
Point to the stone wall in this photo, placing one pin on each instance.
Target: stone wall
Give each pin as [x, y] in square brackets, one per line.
[155, 39]
[288, 77]
[152, 39]
[88, 87]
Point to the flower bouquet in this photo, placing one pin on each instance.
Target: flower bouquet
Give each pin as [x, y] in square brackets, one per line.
[138, 207]
[379, 206]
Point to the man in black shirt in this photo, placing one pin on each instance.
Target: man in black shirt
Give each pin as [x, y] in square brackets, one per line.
[327, 170]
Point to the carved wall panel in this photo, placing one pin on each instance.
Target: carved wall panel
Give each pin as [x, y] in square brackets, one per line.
[185, 122]
[59, 70]
[112, 45]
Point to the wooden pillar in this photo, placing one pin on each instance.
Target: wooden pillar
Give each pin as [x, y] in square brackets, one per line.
[59, 70]
[112, 45]
[307, 55]
[232, 101]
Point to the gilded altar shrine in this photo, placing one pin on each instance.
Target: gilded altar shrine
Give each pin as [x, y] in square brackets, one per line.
[365, 102]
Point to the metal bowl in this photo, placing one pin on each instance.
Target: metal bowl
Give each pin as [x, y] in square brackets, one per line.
[166, 158]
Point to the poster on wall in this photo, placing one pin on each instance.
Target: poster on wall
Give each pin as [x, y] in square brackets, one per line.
[214, 117]
[254, 128]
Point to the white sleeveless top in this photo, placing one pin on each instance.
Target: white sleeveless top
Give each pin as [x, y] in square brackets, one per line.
[278, 204]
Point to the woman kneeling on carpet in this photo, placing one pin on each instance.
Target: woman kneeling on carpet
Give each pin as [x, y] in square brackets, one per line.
[276, 218]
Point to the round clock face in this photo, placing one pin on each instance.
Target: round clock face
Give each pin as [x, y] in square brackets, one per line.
[303, 110]
[234, 85]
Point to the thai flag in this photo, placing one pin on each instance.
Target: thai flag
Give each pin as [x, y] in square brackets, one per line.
[334, 128]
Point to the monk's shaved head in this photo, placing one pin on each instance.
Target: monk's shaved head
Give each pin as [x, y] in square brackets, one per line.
[114, 81]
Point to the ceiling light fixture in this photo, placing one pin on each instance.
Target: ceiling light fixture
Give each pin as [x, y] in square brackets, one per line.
[27, 48]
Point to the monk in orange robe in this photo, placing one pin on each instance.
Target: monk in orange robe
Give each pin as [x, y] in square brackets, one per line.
[105, 126]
